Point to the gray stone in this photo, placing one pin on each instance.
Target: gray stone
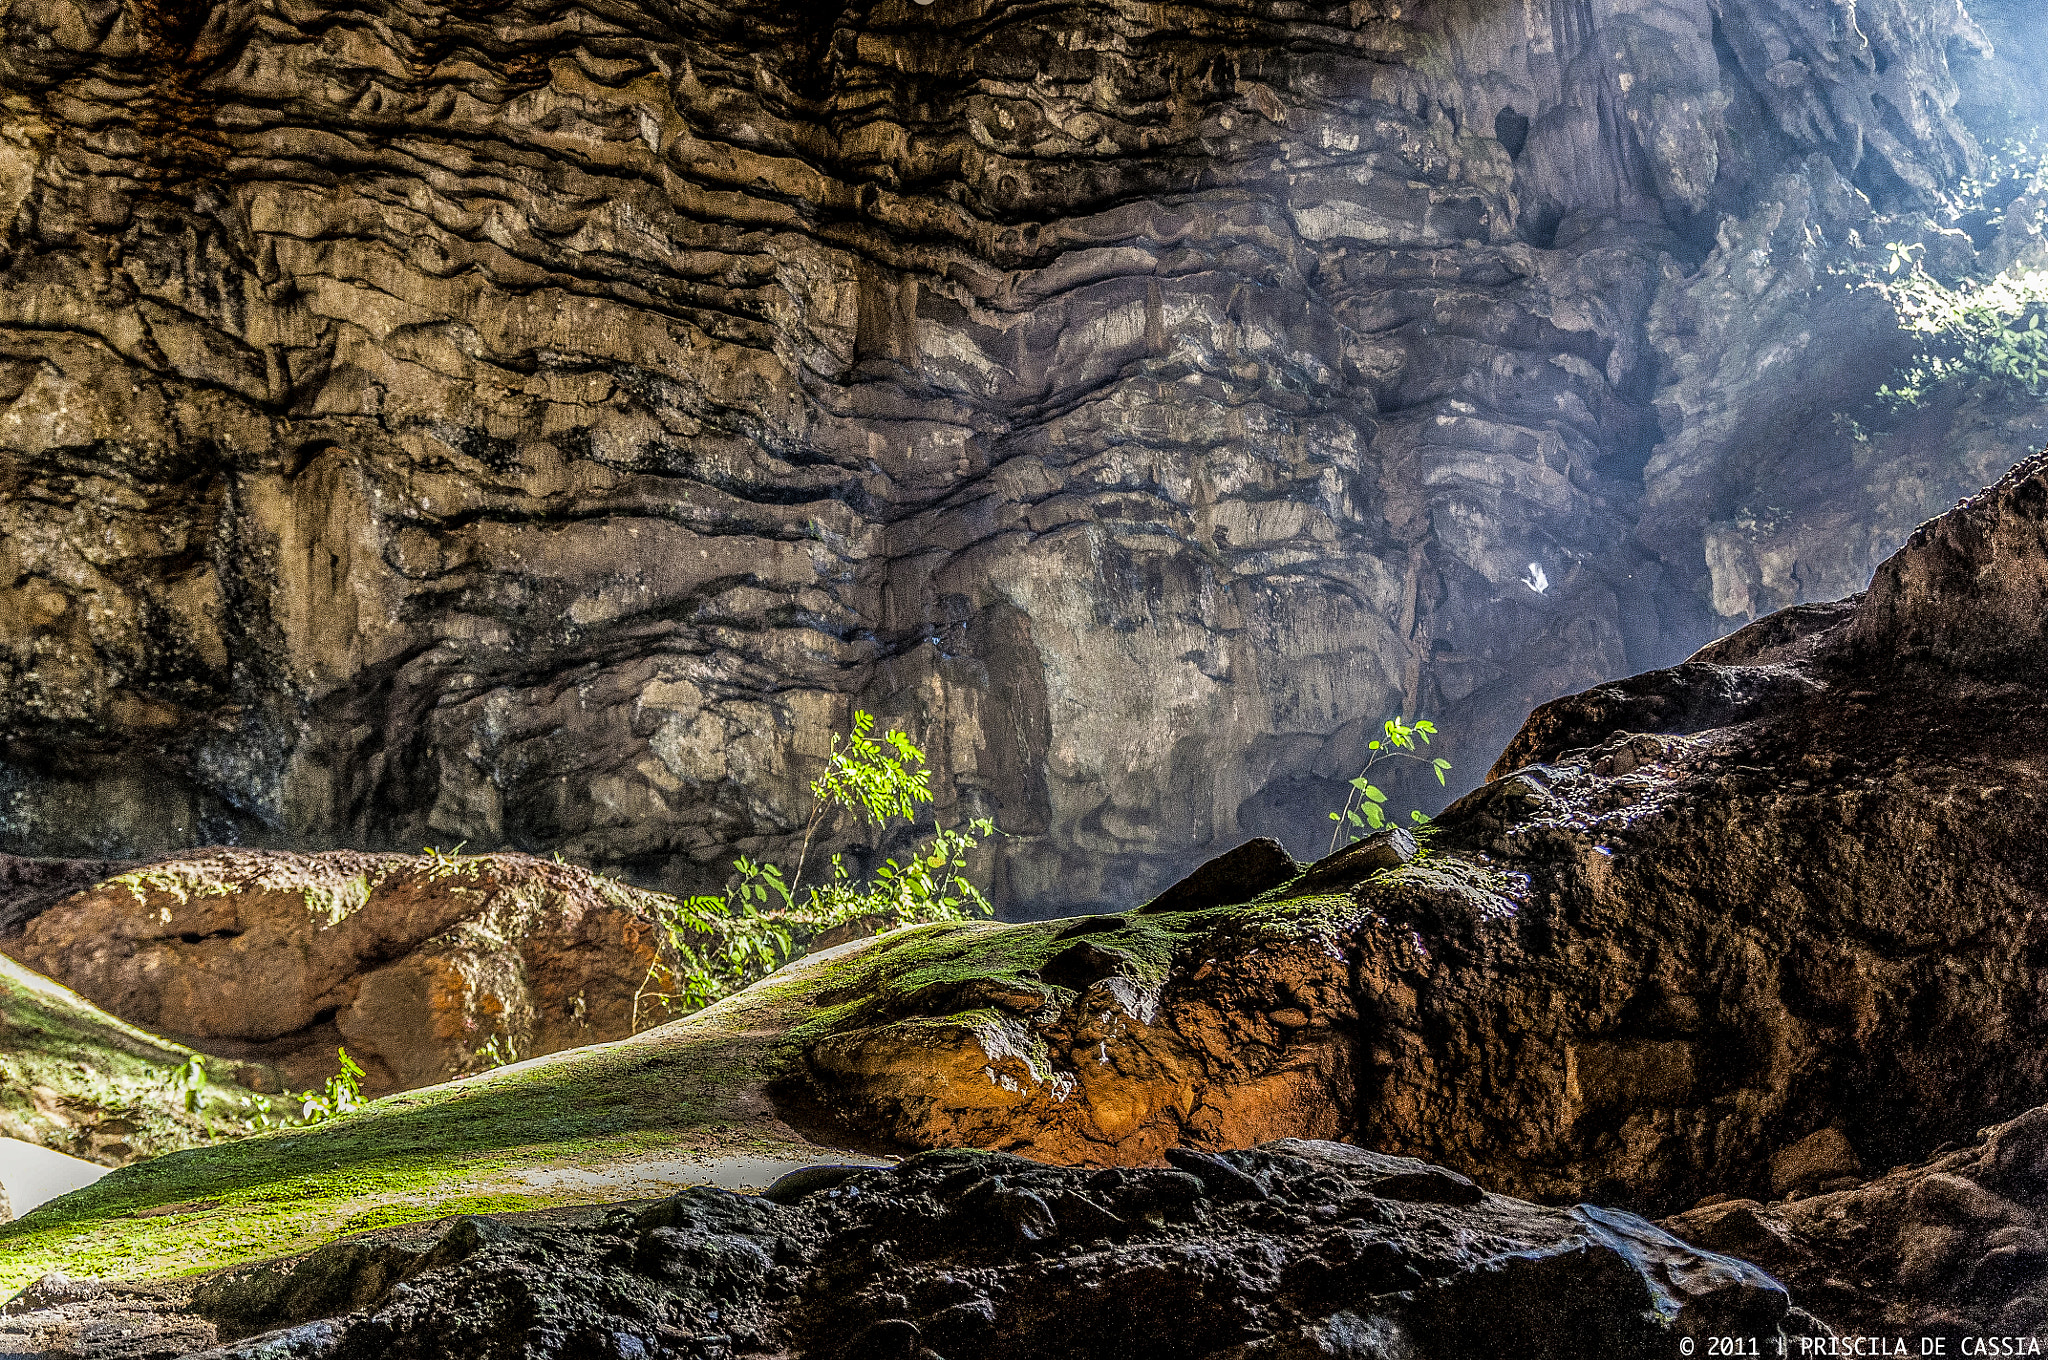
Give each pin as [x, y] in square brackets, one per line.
[953, 1253]
[1139, 408]
[1233, 876]
[1388, 848]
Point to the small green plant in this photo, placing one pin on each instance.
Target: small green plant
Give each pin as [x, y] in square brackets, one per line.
[343, 1095]
[1990, 331]
[1364, 807]
[498, 1052]
[190, 1078]
[717, 943]
[441, 863]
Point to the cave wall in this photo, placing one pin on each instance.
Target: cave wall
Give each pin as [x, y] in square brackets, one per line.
[539, 424]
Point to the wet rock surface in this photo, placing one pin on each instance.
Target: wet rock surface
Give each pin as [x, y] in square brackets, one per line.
[1295, 1249]
[538, 425]
[62, 1316]
[419, 964]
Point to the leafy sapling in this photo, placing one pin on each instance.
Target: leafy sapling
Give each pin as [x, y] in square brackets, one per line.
[717, 943]
[1364, 809]
[343, 1095]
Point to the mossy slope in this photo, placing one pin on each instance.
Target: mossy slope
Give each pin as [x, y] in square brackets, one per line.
[615, 1121]
[75, 1079]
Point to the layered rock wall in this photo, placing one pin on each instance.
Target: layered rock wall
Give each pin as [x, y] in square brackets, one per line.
[540, 424]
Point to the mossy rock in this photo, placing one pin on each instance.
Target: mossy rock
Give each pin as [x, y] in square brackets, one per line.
[75, 1079]
[631, 1119]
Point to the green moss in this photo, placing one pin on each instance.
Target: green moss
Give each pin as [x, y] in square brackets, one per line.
[173, 881]
[182, 881]
[76, 1079]
[390, 1215]
[1443, 874]
[501, 1137]
[330, 905]
[504, 1139]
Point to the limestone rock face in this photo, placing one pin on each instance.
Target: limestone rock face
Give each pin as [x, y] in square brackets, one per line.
[539, 425]
[419, 964]
[1296, 1248]
[1704, 928]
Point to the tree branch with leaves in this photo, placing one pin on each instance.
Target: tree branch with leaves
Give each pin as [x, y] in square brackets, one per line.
[714, 944]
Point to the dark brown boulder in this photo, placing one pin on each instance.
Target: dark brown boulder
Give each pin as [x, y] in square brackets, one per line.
[1388, 848]
[1234, 876]
[1969, 592]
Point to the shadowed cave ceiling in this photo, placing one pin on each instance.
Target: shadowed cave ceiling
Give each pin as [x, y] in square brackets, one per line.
[539, 424]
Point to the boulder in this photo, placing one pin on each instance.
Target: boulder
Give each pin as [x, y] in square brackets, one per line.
[1822, 1156]
[425, 966]
[1237, 875]
[1955, 1246]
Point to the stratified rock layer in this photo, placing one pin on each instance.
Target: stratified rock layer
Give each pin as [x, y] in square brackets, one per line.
[1295, 1249]
[540, 424]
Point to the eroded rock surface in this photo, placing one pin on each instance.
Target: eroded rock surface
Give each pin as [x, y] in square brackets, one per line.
[1956, 1247]
[539, 424]
[1107, 1041]
[1698, 918]
[427, 967]
[1295, 1249]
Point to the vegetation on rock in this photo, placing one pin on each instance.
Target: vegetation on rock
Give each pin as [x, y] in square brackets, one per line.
[77, 1080]
[718, 943]
[1989, 331]
[635, 1117]
[1364, 807]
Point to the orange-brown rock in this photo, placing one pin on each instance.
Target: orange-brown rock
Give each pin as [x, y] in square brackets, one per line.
[1700, 917]
[426, 966]
[1099, 1059]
